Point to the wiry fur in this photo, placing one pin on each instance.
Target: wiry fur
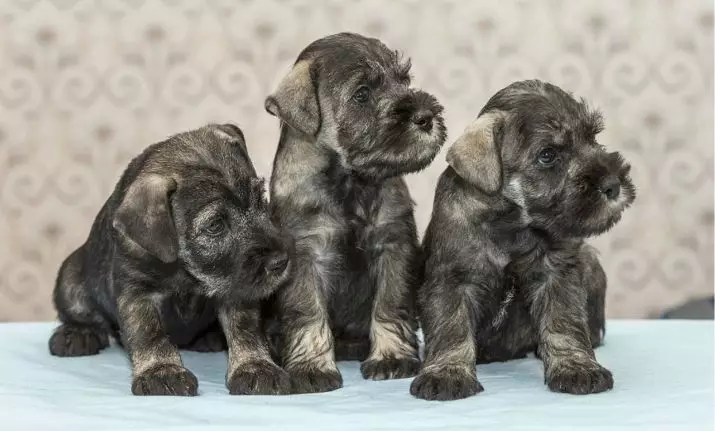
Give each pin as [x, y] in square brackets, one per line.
[182, 247]
[507, 270]
[337, 187]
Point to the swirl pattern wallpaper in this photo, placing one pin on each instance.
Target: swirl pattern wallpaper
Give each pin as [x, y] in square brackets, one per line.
[86, 85]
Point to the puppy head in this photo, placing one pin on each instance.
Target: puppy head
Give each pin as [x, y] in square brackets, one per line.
[216, 226]
[353, 94]
[226, 238]
[535, 145]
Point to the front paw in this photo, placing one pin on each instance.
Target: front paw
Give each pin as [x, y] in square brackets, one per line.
[165, 379]
[445, 385]
[579, 379]
[390, 368]
[258, 378]
[77, 340]
[313, 380]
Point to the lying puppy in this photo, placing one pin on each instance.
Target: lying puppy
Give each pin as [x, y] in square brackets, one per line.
[507, 268]
[352, 126]
[184, 239]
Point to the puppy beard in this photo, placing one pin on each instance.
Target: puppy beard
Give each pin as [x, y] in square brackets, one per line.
[399, 146]
[249, 281]
[587, 213]
[257, 281]
[399, 156]
[250, 288]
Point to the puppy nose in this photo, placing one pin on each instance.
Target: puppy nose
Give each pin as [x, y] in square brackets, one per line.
[611, 187]
[277, 263]
[423, 119]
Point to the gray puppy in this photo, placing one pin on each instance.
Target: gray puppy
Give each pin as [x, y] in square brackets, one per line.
[507, 270]
[183, 243]
[351, 127]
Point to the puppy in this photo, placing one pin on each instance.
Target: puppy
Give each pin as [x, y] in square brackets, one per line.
[507, 270]
[183, 243]
[351, 127]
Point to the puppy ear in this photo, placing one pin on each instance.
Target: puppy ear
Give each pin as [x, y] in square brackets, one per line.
[475, 155]
[233, 133]
[144, 216]
[295, 101]
[231, 130]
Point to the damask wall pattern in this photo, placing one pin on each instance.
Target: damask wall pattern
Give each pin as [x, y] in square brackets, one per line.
[85, 85]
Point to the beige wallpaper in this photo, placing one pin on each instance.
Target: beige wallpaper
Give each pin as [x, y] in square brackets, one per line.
[85, 85]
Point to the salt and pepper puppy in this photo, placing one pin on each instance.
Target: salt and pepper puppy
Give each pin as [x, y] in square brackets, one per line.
[351, 127]
[507, 269]
[183, 242]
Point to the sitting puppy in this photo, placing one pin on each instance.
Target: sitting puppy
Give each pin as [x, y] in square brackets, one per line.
[184, 239]
[351, 128]
[507, 270]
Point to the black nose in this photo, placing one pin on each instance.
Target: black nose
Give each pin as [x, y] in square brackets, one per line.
[611, 187]
[277, 263]
[423, 119]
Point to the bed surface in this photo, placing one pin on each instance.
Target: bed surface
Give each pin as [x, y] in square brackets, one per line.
[663, 372]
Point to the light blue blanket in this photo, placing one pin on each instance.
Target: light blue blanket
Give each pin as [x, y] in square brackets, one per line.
[663, 372]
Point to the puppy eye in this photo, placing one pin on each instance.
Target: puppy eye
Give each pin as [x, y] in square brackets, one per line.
[216, 227]
[547, 157]
[362, 94]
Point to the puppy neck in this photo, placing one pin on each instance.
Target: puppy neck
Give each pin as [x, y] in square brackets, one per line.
[499, 215]
[298, 160]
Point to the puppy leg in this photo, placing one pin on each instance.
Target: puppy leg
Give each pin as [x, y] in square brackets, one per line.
[449, 370]
[393, 341]
[251, 371]
[307, 351]
[81, 332]
[594, 279]
[559, 311]
[156, 365]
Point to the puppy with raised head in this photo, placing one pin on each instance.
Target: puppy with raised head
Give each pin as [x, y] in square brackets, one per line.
[184, 244]
[507, 269]
[351, 128]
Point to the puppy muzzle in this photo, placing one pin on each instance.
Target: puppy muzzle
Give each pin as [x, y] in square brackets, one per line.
[425, 112]
[279, 262]
[615, 185]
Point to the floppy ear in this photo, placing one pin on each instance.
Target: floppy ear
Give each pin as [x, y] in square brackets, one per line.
[144, 216]
[475, 154]
[231, 130]
[295, 101]
[233, 133]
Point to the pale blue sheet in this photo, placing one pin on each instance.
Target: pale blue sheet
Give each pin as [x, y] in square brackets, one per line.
[663, 372]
